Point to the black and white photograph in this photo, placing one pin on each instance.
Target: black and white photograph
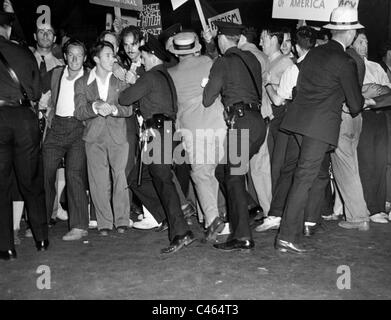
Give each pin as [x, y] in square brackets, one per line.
[195, 156]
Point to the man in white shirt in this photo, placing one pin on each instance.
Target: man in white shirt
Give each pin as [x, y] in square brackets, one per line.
[271, 40]
[374, 73]
[96, 103]
[287, 45]
[276, 64]
[64, 139]
[281, 96]
[260, 163]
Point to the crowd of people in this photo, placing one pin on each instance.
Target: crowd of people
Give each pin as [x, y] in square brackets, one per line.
[277, 130]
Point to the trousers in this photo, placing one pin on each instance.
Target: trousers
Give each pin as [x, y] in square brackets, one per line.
[20, 148]
[64, 138]
[307, 160]
[243, 142]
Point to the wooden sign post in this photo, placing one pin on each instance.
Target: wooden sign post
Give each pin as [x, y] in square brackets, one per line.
[117, 12]
[201, 15]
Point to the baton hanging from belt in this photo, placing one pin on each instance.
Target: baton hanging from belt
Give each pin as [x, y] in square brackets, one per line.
[142, 142]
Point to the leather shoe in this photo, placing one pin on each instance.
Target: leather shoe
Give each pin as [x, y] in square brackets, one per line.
[162, 227]
[256, 213]
[215, 228]
[311, 230]
[42, 245]
[236, 245]
[8, 255]
[285, 246]
[178, 243]
[361, 226]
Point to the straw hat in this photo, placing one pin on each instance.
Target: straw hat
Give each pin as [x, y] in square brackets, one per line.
[185, 43]
[344, 18]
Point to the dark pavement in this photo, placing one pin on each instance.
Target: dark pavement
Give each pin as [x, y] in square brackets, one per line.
[129, 267]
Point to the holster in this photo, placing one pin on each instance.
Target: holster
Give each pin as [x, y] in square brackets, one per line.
[238, 110]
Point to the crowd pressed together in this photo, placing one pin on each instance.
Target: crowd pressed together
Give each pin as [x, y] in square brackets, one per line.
[135, 123]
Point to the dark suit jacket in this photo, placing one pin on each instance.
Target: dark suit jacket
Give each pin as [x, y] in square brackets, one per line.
[328, 78]
[86, 95]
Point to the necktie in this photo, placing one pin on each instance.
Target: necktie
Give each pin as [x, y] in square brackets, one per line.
[42, 67]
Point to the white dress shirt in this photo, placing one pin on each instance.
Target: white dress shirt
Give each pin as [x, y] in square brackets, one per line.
[289, 80]
[66, 102]
[103, 87]
[374, 73]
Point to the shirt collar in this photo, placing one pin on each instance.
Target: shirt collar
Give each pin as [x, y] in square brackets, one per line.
[47, 56]
[79, 75]
[302, 57]
[93, 76]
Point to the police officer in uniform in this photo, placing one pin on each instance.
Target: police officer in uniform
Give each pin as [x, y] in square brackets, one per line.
[237, 76]
[19, 140]
[156, 94]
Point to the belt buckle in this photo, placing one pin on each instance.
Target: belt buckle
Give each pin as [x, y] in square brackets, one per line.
[240, 111]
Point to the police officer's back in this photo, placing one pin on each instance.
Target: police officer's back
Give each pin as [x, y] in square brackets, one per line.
[237, 76]
[19, 140]
[231, 78]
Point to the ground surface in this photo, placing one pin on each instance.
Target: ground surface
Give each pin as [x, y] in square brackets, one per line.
[129, 267]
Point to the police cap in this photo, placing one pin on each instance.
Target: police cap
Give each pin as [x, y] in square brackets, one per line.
[152, 45]
[229, 28]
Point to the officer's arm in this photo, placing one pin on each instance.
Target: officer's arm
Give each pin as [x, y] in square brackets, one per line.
[351, 87]
[136, 91]
[215, 84]
[83, 108]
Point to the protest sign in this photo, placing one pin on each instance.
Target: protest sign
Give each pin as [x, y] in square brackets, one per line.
[230, 16]
[150, 18]
[123, 4]
[129, 21]
[177, 3]
[318, 10]
[353, 3]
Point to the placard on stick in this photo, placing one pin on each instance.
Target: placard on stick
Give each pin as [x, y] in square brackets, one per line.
[317, 10]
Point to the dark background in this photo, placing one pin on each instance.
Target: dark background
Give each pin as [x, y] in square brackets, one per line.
[86, 21]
